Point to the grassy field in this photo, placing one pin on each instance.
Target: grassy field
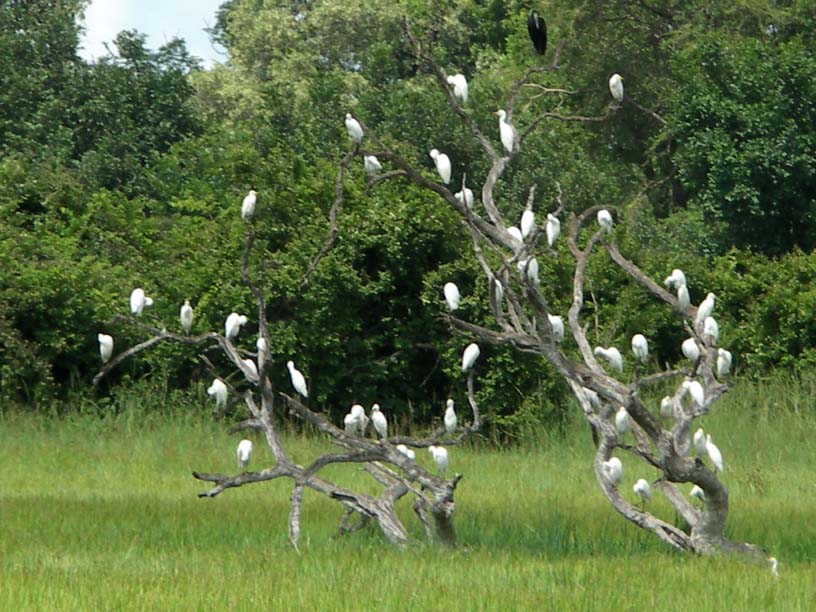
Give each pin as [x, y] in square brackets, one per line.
[102, 514]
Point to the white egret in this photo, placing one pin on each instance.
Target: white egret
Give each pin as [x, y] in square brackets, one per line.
[354, 129]
[697, 493]
[676, 279]
[507, 133]
[714, 453]
[700, 442]
[450, 418]
[724, 360]
[622, 421]
[711, 331]
[233, 324]
[527, 223]
[640, 347]
[105, 346]
[218, 391]
[186, 317]
[443, 165]
[470, 356]
[244, 453]
[460, 87]
[616, 87]
[557, 324]
[298, 380]
[497, 287]
[248, 205]
[705, 309]
[440, 457]
[683, 298]
[408, 452]
[529, 267]
[553, 229]
[253, 369]
[452, 296]
[379, 421]
[643, 490]
[350, 424]
[690, 349]
[537, 29]
[371, 164]
[612, 355]
[613, 470]
[263, 349]
[360, 418]
[774, 566]
[516, 234]
[695, 389]
[666, 406]
[465, 198]
[605, 220]
[138, 300]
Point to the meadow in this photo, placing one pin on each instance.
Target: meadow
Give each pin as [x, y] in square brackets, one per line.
[101, 513]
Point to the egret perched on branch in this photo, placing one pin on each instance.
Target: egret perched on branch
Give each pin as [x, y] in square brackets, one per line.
[466, 198]
[537, 29]
[244, 453]
[724, 359]
[460, 87]
[450, 418]
[612, 355]
[700, 442]
[408, 452]
[527, 222]
[248, 205]
[379, 421]
[622, 422]
[498, 289]
[350, 424]
[613, 470]
[253, 369]
[440, 457]
[683, 298]
[690, 349]
[643, 490]
[516, 235]
[616, 87]
[640, 347]
[354, 129]
[676, 279]
[371, 164]
[714, 453]
[695, 389]
[553, 229]
[529, 267]
[557, 324]
[470, 356]
[452, 296]
[605, 220]
[186, 317]
[138, 300]
[218, 391]
[443, 165]
[298, 380]
[697, 493]
[233, 324]
[105, 346]
[260, 345]
[711, 330]
[705, 309]
[507, 133]
[360, 418]
[666, 407]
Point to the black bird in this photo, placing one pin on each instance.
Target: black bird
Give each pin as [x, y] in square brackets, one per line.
[537, 28]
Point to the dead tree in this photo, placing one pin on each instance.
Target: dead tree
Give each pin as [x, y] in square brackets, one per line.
[397, 473]
[522, 318]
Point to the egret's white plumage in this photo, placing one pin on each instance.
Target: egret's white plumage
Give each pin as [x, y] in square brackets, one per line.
[371, 164]
[450, 418]
[697, 493]
[714, 453]
[529, 267]
[557, 324]
[507, 133]
[643, 490]
[105, 346]
[465, 198]
[683, 298]
[553, 229]
[527, 223]
[695, 390]
[379, 421]
[244, 453]
[666, 407]
[260, 345]
[354, 129]
[408, 452]
[622, 421]
[640, 347]
[613, 470]
[298, 380]
[711, 330]
[186, 317]
[233, 324]
[460, 87]
[516, 235]
[616, 87]
[248, 205]
[440, 457]
[350, 424]
[252, 368]
[676, 279]
[705, 309]
[774, 566]
[690, 349]
[138, 301]
[497, 287]
[724, 360]
[452, 296]
[605, 220]
[700, 442]
[443, 165]
[218, 391]
[612, 355]
[360, 418]
[470, 356]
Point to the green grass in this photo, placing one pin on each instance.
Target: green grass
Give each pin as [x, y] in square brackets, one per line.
[102, 514]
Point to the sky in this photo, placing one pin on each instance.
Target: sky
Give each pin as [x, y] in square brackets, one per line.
[160, 20]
